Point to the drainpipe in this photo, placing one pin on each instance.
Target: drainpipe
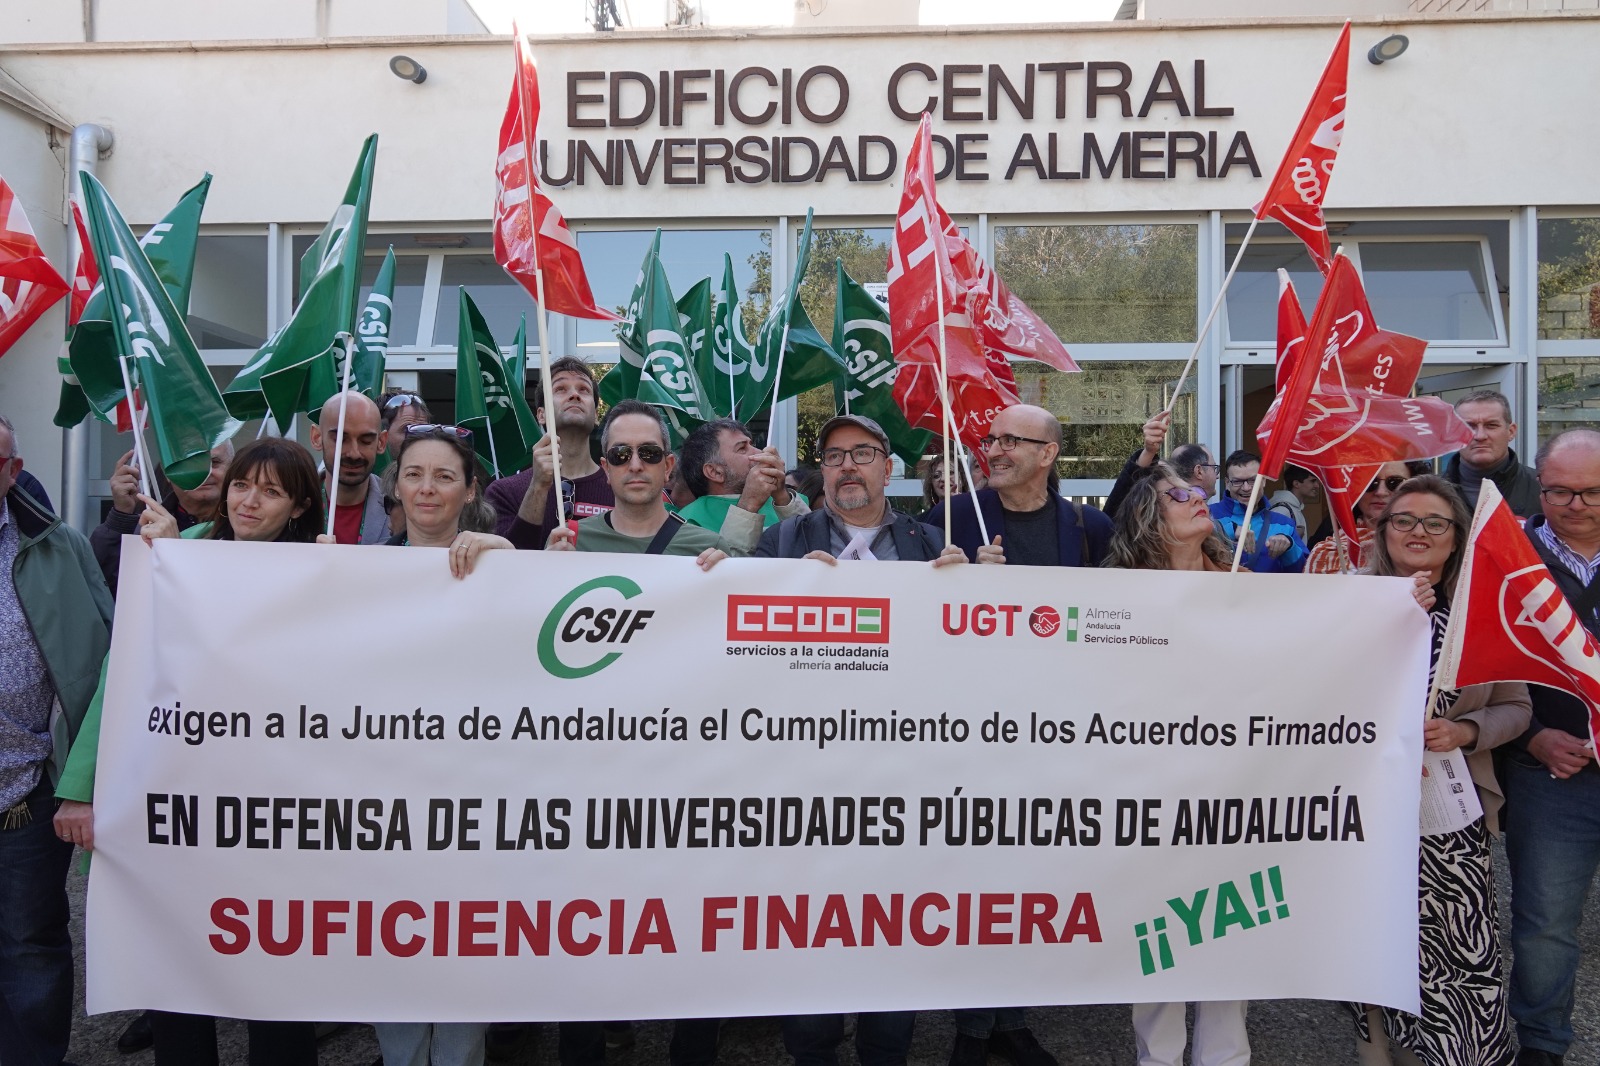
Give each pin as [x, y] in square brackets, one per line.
[89, 144]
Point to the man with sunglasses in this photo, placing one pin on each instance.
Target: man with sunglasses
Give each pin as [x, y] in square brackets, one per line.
[1549, 774]
[738, 489]
[636, 463]
[1271, 545]
[358, 517]
[1029, 523]
[525, 503]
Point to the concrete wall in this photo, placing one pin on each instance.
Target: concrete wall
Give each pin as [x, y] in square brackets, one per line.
[41, 21]
[29, 383]
[1254, 9]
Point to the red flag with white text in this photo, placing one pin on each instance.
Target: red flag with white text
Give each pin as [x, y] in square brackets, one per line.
[1508, 618]
[29, 285]
[530, 233]
[920, 262]
[1295, 194]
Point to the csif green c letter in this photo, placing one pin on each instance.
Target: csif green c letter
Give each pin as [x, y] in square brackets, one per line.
[547, 633]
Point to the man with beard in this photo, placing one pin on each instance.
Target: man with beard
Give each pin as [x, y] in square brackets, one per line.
[1029, 523]
[737, 489]
[359, 517]
[525, 503]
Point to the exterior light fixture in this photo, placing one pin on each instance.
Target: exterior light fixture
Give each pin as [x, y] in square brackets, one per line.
[1391, 47]
[409, 69]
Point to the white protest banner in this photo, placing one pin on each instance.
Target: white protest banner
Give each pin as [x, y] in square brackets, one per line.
[335, 782]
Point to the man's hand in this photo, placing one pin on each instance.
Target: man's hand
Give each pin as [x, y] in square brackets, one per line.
[1562, 753]
[951, 556]
[764, 482]
[1441, 734]
[1249, 540]
[709, 558]
[821, 557]
[561, 539]
[74, 823]
[1155, 433]
[125, 485]
[531, 510]
[1277, 544]
[992, 553]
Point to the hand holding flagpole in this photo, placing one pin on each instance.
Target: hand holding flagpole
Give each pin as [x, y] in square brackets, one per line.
[145, 482]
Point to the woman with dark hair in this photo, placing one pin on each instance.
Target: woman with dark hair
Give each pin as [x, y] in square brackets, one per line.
[271, 493]
[436, 481]
[936, 487]
[1324, 558]
[1164, 523]
[1420, 534]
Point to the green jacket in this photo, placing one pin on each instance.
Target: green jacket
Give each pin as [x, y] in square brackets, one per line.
[77, 780]
[68, 608]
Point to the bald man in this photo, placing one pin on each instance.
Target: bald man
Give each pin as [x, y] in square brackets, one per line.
[1029, 523]
[358, 516]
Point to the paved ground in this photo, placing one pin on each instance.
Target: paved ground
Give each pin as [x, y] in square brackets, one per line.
[1282, 1032]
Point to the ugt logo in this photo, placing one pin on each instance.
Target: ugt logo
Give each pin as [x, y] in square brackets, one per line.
[570, 627]
[1529, 599]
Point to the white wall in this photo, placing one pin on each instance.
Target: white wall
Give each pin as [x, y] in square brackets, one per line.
[40, 21]
[29, 383]
[1239, 9]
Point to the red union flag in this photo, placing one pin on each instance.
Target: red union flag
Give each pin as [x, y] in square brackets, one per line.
[1344, 394]
[813, 619]
[923, 258]
[29, 285]
[530, 235]
[1296, 192]
[85, 275]
[1508, 618]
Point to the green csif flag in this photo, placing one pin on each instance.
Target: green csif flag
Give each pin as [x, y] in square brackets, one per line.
[807, 359]
[186, 411]
[483, 396]
[297, 369]
[861, 337]
[372, 333]
[694, 320]
[655, 364]
[517, 371]
[737, 380]
[91, 375]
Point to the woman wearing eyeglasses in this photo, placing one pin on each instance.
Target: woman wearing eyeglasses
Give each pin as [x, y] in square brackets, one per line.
[1165, 524]
[436, 481]
[1324, 558]
[1463, 1023]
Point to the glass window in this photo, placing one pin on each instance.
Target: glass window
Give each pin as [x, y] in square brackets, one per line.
[1569, 393]
[611, 260]
[1105, 284]
[1435, 290]
[501, 300]
[228, 297]
[1103, 408]
[1253, 293]
[1569, 274]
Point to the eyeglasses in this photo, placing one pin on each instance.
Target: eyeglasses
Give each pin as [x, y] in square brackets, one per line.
[1391, 483]
[622, 454]
[1433, 525]
[861, 455]
[403, 399]
[1008, 441]
[1207, 466]
[1184, 493]
[422, 429]
[1241, 482]
[1562, 497]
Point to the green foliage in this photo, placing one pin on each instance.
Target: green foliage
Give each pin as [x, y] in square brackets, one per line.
[1569, 263]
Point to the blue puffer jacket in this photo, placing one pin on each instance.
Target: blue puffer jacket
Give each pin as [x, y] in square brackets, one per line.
[1227, 513]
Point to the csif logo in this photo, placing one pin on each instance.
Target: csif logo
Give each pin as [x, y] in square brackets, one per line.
[570, 626]
[814, 619]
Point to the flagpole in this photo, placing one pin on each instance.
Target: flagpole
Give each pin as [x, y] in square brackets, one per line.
[1216, 304]
[488, 431]
[338, 437]
[966, 463]
[1244, 528]
[138, 430]
[777, 375]
[944, 396]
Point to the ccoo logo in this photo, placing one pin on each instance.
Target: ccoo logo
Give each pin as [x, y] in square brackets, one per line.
[569, 626]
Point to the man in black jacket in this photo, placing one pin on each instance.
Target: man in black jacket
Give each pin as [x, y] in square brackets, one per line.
[1551, 781]
[1489, 455]
[188, 506]
[855, 521]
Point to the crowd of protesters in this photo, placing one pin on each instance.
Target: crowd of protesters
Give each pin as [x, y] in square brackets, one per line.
[718, 496]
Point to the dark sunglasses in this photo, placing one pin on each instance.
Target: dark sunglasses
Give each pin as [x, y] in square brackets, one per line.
[1393, 482]
[423, 429]
[622, 454]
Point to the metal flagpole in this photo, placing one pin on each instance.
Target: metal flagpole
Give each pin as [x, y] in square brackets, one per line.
[338, 436]
[944, 393]
[143, 457]
[1205, 328]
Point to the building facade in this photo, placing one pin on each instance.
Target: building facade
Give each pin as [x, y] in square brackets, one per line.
[1106, 170]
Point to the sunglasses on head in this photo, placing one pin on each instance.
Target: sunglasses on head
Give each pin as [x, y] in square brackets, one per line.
[622, 454]
[422, 429]
[403, 399]
[1392, 482]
